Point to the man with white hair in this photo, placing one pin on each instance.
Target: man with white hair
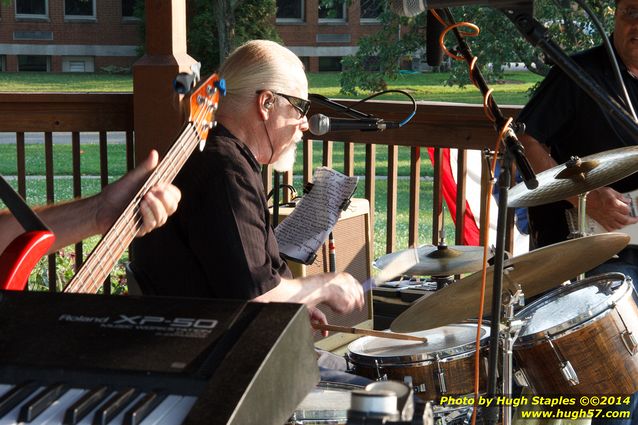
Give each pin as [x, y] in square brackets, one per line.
[220, 243]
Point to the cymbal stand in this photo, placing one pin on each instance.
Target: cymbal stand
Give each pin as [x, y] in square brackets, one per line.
[509, 334]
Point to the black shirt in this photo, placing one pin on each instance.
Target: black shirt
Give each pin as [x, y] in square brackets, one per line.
[565, 118]
[219, 242]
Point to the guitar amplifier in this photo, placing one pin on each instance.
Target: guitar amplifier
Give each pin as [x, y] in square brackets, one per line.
[352, 237]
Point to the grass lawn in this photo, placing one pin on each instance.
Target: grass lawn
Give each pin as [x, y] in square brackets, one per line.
[512, 90]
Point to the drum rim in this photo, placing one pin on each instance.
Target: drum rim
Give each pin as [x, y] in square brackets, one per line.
[578, 321]
[445, 355]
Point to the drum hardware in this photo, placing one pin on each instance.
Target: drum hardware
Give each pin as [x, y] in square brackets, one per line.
[380, 377]
[627, 336]
[565, 367]
[441, 376]
[521, 378]
[388, 403]
[511, 328]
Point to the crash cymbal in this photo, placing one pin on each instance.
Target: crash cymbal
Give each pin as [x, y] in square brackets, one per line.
[576, 177]
[440, 260]
[536, 272]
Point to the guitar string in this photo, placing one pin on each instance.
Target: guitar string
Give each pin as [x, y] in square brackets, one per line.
[125, 223]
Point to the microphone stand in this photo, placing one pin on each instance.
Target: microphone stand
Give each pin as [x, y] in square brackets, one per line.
[513, 153]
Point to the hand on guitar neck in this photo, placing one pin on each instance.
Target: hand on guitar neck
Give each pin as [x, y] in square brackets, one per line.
[81, 218]
[156, 206]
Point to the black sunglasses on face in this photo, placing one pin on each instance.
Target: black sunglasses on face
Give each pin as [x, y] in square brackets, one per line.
[301, 105]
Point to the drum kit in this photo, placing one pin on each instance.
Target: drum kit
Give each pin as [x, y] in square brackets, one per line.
[575, 338]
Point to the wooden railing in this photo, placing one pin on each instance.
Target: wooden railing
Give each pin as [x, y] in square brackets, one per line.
[437, 125]
[48, 113]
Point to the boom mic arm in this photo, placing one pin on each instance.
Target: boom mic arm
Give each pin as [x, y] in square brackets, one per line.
[335, 106]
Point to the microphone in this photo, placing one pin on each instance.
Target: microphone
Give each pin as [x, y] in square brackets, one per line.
[414, 7]
[433, 50]
[320, 124]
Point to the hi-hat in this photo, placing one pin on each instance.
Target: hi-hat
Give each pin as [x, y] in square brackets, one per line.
[536, 272]
[576, 177]
[440, 260]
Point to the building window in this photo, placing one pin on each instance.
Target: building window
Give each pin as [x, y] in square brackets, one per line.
[78, 64]
[129, 8]
[79, 9]
[371, 10]
[290, 10]
[34, 63]
[330, 63]
[333, 12]
[3, 63]
[32, 9]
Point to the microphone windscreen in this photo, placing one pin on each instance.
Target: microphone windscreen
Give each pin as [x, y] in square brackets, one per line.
[433, 50]
[319, 124]
[408, 7]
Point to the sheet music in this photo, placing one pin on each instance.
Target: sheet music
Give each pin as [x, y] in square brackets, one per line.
[302, 233]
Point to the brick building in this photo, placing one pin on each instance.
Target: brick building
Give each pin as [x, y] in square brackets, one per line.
[322, 36]
[67, 35]
[89, 35]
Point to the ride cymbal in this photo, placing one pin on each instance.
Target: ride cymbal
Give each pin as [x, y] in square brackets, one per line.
[440, 260]
[576, 177]
[536, 272]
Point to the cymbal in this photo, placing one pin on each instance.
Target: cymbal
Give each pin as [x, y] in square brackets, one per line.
[571, 178]
[536, 272]
[440, 260]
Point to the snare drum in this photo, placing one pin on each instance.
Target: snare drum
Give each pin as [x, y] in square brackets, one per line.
[327, 403]
[442, 366]
[581, 339]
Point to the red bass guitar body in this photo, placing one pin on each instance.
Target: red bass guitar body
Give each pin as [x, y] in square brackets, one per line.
[20, 257]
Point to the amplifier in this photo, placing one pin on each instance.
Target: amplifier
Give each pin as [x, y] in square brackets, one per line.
[352, 236]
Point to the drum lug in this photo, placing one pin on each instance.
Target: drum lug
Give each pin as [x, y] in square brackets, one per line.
[630, 342]
[565, 366]
[377, 368]
[521, 378]
[569, 373]
[421, 388]
[627, 336]
[349, 366]
[440, 374]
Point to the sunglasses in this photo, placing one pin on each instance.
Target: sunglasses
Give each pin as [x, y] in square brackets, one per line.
[301, 105]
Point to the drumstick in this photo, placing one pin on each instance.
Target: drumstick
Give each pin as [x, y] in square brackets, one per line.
[369, 332]
[399, 265]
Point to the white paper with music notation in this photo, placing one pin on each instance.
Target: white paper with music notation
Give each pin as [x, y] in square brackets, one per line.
[303, 232]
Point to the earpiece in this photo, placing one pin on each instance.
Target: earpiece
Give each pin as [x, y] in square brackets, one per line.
[268, 104]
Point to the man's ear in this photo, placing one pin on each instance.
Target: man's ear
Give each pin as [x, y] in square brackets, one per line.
[266, 102]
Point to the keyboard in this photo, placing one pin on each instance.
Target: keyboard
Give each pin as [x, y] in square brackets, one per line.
[92, 359]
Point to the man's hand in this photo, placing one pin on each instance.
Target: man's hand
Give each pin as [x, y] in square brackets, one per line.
[609, 208]
[159, 203]
[344, 292]
[317, 316]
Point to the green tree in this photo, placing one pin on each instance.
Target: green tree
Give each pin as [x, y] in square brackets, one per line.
[498, 43]
[216, 27]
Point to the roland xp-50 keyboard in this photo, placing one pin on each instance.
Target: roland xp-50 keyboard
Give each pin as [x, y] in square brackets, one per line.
[90, 359]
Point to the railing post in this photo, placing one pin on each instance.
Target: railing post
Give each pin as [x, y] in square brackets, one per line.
[158, 111]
